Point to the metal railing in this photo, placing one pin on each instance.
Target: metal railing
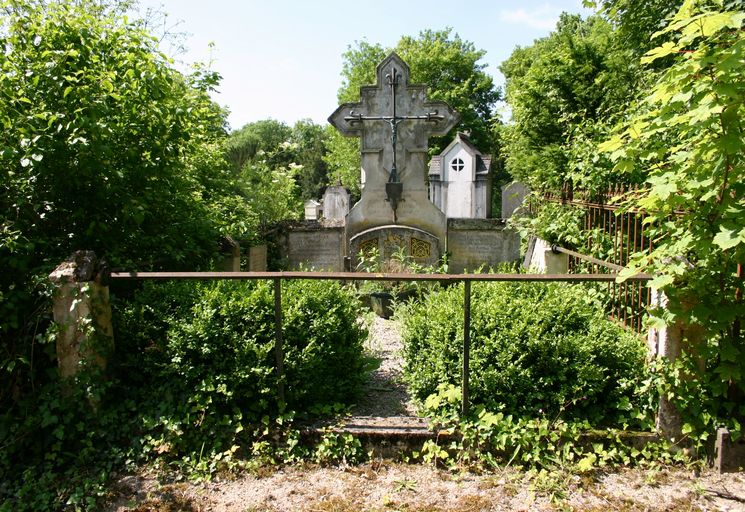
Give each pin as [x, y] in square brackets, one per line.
[467, 279]
[623, 230]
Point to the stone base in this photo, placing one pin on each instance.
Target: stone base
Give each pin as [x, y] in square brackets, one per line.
[729, 456]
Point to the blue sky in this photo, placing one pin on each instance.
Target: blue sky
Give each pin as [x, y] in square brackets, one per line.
[281, 59]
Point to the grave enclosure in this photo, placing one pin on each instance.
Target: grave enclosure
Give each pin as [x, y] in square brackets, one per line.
[394, 120]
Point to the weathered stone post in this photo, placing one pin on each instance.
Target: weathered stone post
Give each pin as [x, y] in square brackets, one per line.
[82, 313]
[543, 259]
[668, 342]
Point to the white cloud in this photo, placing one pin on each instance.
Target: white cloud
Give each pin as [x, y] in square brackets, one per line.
[543, 17]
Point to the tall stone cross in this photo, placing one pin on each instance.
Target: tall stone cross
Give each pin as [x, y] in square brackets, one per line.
[394, 120]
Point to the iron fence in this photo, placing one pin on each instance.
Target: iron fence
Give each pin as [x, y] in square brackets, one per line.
[614, 234]
[467, 279]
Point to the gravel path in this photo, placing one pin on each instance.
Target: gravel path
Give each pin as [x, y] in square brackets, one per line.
[385, 394]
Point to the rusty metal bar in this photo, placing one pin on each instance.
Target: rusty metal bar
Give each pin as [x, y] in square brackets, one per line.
[278, 349]
[466, 346]
[370, 276]
[591, 259]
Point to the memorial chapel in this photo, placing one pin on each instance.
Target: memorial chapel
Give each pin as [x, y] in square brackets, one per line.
[460, 180]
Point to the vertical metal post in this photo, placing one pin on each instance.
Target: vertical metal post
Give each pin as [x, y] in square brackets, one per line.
[278, 352]
[466, 343]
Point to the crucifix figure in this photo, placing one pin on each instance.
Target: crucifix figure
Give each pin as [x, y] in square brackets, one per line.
[394, 121]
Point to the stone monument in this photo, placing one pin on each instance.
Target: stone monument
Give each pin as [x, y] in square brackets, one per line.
[335, 202]
[513, 197]
[394, 120]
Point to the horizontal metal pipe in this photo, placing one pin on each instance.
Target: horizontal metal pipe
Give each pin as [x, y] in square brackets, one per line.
[370, 276]
[585, 257]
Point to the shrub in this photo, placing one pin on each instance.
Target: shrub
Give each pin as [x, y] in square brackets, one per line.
[192, 384]
[535, 349]
[222, 335]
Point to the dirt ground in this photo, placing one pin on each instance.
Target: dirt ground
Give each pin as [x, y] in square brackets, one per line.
[383, 486]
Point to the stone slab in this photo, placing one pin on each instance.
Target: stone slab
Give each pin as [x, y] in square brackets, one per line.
[475, 243]
[313, 246]
[513, 196]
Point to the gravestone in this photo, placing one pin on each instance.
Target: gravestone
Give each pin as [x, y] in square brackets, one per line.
[335, 203]
[313, 209]
[513, 197]
[394, 120]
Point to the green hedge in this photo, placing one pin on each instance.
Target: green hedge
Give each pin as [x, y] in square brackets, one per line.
[192, 384]
[221, 335]
[536, 349]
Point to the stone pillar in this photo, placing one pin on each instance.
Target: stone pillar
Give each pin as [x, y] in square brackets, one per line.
[668, 341]
[545, 261]
[83, 315]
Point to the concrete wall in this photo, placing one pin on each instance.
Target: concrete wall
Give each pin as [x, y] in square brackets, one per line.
[313, 245]
[476, 242]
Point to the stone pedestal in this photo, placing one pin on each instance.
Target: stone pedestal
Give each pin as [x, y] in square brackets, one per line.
[83, 315]
[544, 260]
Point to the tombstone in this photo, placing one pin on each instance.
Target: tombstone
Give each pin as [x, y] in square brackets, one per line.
[313, 209]
[257, 258]
[394, 120]
[335, 202]
[231, 253]
[513, 196]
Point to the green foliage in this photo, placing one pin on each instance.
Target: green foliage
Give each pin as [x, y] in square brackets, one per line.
[223, 335]
[104, 147]
[536, 349]
[638, 20]
[494, 440]
[447, 64]
[193, 387]
[687, 137]
[275, 167]
[554, 222]
[564, 91]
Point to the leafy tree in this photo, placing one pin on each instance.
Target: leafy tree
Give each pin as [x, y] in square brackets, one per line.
[638, 20]
[564, 92]
[687, 136]
[443, 61]
[257, 139]
[104, 147]
[310, 142]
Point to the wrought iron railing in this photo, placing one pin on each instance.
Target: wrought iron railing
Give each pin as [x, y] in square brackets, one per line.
[278, 277]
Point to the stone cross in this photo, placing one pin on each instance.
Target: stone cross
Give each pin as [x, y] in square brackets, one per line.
[394, 120]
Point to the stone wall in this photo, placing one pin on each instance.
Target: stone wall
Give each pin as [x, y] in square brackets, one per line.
[472, 243]
[312, 244]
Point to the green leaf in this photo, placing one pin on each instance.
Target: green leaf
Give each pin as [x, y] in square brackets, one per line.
[661, 51]
[728, 238]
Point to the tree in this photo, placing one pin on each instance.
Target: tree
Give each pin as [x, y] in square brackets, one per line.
[310, 142]
[104, 146]
[564, 91]
[688, 137]
[638, 20]
[443, 61]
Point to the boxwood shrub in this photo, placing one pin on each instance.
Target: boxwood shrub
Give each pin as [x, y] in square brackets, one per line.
[536, 349]
[200, 357]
